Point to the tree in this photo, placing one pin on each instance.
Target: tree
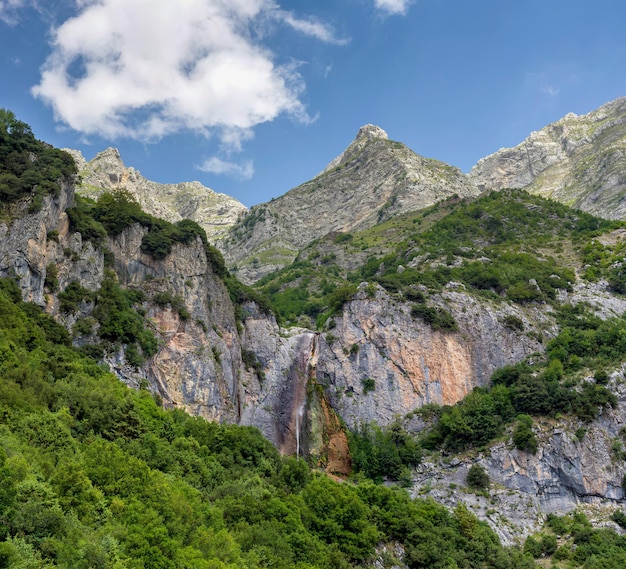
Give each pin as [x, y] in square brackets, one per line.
[477, 477]
[523, 435]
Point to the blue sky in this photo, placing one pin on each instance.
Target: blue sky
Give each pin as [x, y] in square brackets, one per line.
[253, 97]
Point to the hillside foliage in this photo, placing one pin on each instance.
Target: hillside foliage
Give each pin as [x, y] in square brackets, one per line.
[95, 475]
[29, 167]
[489, 244]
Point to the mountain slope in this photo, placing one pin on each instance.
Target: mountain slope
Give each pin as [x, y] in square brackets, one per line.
[578, 160]
[374, 179]
[214, 212]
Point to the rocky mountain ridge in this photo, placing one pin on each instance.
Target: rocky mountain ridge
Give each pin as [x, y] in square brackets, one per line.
[215, 213]
[373, 180]
[578, 160]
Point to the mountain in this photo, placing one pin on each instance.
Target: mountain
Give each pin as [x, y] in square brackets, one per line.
[578, 160]
[215, 213]
[373, 180]
[483, 330]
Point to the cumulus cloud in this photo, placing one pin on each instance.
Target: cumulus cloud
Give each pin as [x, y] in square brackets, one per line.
[146, 69]
[216, 165]
[400, 7]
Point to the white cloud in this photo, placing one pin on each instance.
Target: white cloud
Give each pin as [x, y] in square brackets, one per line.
[216, 165]
[311, 27]
[546, 82]
[146, 69]
[400, 7]
[11, 11]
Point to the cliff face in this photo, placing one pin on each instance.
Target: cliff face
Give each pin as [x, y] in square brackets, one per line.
[566, 473]
[34, 245]
[378, 362]
[578, 160]
[373, 180]
[375, 362]
[198, 365]
[198, 362]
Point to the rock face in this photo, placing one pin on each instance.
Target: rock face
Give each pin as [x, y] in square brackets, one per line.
[578, 160]
[198, 364]
[375, 361]
[373, 180]
[214, 212]
[378, 362]
[566, 473]
[36, 244]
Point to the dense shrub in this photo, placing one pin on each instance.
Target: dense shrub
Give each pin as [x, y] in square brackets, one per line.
[477, 477]
[73, 294]
[29, 167]
[383, 452]
[523, 435]
[438, 318]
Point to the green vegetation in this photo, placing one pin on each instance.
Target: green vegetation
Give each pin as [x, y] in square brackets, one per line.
[93, 474]
[523, 436]
[251, 361]
[29, 167]
[570, 541]
[437, 317]
[121, 323]
[176, 303]
[505, 245]
[114, 212]
[477, 477]
[380, 453]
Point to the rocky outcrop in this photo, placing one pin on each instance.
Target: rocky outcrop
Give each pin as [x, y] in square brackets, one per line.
[378, 362]
[214, 212]
[577, 466]
[578, 160]
[373, 180]
[39, 250]
[198, 363]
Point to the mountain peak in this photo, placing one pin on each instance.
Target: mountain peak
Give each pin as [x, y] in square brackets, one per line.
[371, 131]
[366, 133]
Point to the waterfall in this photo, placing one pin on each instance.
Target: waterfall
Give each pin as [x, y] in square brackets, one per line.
[299, 416]
[309, 369]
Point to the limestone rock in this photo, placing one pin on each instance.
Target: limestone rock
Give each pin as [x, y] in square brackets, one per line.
[566, 473]
[373, 180]
[578, 160]
[214, 212]
[198, 363]
[375, 338]
[34, 242]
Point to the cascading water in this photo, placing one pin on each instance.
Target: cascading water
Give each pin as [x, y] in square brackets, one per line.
[299, 416]
[309, 369]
